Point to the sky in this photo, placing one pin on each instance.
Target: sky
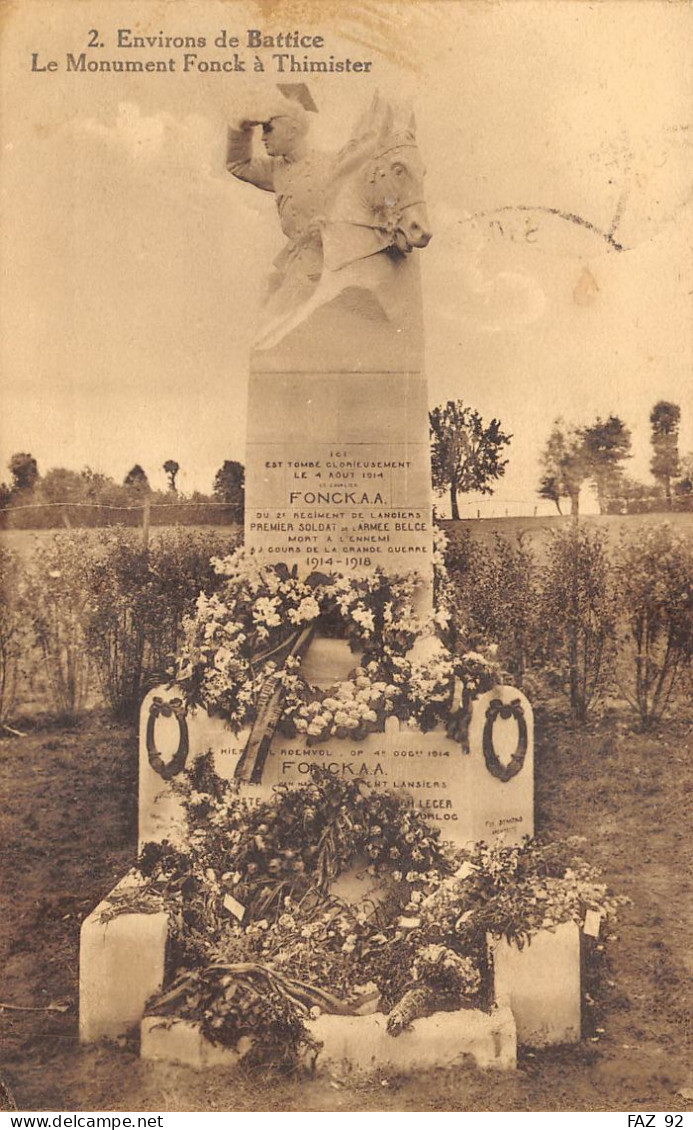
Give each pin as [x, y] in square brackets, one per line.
[557, 141]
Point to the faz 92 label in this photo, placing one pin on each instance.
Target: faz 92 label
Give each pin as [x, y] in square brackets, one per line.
[642, 1121]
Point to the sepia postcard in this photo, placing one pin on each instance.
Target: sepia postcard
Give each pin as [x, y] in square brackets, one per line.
[161, 255]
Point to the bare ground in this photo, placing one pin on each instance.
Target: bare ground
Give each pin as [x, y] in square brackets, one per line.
[68, 834]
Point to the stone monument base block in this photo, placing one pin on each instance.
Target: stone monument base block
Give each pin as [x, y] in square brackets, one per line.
[359, 1043]
[121, 965]
[541, 984]
[180, 1041]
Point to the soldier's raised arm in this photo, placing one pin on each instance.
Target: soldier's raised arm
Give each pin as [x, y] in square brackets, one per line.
[240, 161]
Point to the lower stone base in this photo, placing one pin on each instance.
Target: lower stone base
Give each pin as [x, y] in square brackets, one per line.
[536, 989]
[181, 1041]
[360, 1043]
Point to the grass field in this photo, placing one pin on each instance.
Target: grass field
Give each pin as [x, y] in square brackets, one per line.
[538, 530]
[24, 542]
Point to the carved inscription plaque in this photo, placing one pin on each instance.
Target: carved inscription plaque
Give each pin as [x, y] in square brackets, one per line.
[338, 471]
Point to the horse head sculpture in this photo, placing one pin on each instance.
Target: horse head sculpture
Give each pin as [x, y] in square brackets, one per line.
[377, 199]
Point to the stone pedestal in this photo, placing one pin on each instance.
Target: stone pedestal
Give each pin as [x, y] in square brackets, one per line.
[338, 474]
[180, 1041]
[501, 767]
[121, 965]
[169, 743]
[541, 985]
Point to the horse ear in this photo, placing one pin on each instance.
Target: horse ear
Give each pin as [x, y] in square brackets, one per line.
[368, 120]
[387, 123]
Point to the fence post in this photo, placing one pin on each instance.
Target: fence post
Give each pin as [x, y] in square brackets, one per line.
[146, 516]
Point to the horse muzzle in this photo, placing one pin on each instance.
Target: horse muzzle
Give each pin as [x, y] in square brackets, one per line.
[414, 226]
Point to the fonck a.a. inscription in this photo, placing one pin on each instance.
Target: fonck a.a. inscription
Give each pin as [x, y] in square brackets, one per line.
[357, 493]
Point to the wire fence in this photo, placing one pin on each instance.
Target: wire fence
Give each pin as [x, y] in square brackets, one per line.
[111, 506]
[144, 514]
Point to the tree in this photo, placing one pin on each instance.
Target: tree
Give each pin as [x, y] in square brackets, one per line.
[24, 470]
[465, 453]
[664, 421]
[549, 487]
[639, 498]
[137, 479]
[229, 487]
[564, 465]
[5, 501]
[95, 482]
[62, 485]
[655, 589]
[171, 468]
[606, 446]
[684, 484]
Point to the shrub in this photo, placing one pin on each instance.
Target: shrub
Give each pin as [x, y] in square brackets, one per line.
[579, 614]
[180, 568]
[118, 600]
[496, 598]
[15, 630]
[57, 597]
[655, 586]
[137, 600]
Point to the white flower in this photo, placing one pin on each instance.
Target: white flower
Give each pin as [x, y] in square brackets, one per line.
[364, 617]
[265, 611]
[307, 611]
[441, 617]
[221, 658]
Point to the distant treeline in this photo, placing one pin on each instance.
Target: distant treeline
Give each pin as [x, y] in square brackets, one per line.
[88, 498]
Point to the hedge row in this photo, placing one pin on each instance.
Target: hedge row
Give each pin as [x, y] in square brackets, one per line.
[96, 612]
[589, 617]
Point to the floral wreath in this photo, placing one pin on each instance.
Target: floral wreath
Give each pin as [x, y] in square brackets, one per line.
[252, 629]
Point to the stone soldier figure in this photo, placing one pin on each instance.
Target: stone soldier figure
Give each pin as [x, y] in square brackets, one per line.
[298, 176]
